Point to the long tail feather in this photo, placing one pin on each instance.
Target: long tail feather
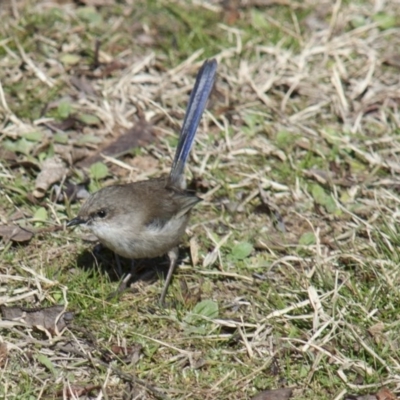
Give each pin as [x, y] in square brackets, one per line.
[197, 103]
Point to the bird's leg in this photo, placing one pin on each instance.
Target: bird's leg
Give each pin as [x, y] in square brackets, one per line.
[119, 267]
[124, 282]
[173, 259]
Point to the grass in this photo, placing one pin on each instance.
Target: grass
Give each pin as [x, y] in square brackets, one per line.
[289, 274]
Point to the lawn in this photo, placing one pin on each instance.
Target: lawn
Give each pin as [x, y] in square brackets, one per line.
[289, 276]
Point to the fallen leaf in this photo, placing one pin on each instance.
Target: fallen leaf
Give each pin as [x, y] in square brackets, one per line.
[15, 233]
[46, 362]
[27, 164]
[270, 209]
[74, 391]
[376, 331]
[205, 309]
[98, 170]
[140, 134]
[53, 170]
[241, 250]
[7, 155]
[3, 354]
[190, 297]
[70, 59]
[51, 319]
[385, 394]
[40, 214]
[128, 353]
[83, 85]
[64, 108]
[277, 394]
[307, 239]
[89, 119]
[230, 11]
[68, 123]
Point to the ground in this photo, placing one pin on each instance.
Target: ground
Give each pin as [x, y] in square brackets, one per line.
[289, 273]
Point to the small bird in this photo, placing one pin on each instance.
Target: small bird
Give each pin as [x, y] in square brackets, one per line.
[147, 219]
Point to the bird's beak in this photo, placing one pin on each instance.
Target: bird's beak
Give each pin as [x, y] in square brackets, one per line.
[76, 221]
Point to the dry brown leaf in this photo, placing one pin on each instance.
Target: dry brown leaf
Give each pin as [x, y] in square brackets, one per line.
[83, 85]
[376, 331]
[3, 354]
[15, 233]
[385, 394]
[230, 11]
[140, 134]
[52, 319]
[190, 297]
[277, 394]
[7, 155]
[53, 170]
[70, 122]
[74, 391]
[128, 353]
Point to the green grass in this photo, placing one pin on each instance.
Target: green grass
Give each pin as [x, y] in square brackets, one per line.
[251, 308]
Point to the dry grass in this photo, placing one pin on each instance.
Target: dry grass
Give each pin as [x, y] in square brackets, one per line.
[293, 251]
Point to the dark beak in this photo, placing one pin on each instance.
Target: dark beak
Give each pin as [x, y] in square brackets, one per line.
[76, 221]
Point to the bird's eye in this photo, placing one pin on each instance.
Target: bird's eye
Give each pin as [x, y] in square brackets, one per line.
[101, 213]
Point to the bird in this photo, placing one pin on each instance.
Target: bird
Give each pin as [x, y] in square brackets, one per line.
[147, 219]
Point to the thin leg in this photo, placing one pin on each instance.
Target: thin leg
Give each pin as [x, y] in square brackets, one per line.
[173, 258]
[119, 267]
[124, 283]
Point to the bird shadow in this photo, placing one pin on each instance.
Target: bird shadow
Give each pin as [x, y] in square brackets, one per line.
[147, 270]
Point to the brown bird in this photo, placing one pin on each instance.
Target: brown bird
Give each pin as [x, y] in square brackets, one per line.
[147, 219]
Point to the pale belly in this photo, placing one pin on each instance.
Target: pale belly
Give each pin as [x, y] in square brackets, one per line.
[151, 242]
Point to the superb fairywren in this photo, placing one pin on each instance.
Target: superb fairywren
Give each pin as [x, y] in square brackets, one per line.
[147, 219]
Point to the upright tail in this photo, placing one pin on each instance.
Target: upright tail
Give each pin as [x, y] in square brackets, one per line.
[197, 103]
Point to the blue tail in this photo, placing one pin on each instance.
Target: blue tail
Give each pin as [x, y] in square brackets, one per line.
[197, 103]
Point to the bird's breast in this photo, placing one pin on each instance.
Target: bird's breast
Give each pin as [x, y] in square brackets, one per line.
[146, 242]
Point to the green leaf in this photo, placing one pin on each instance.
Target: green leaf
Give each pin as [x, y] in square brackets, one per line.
[88, 139]
[94, 186]
[319, 195]
[64, 109]
[98, 170]
[61, 138]
[307, 239]
[242, 250]
[34, 136]
[324, 199]
[41, 214]
[89, 14]
[330, 205]
[19, 146]
[258, 20]
[89, 119]
[204, 309]
[69, 59]
[385, 21]
[358, 21]
[45, 361]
